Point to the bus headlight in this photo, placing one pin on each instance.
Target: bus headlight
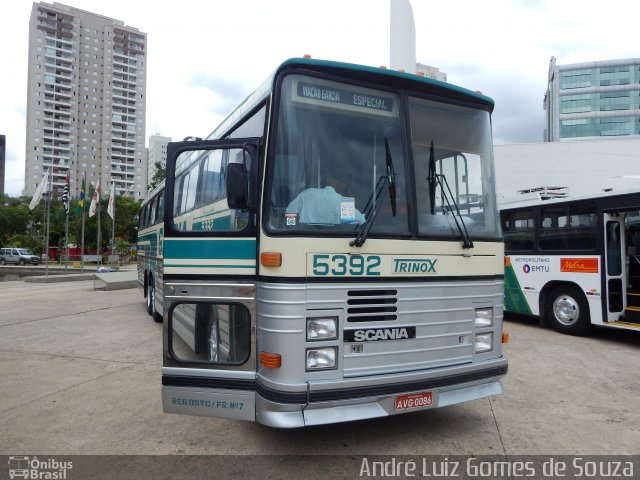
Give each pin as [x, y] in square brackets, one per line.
[483, 342]
[322, 328]
[483, 317]
[321, 358]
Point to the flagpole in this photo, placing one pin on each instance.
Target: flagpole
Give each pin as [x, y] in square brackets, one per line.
[66, 223]
[46, 249]
[66, 241]
[112, 202]
[83, 187]
[99, 233]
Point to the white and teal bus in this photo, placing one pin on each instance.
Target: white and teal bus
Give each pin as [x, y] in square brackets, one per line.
[149, 250]
[574, 262]
[332, 252]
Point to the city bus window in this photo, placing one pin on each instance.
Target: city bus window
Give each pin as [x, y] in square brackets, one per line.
[210, 333]
[452, 146]
[518, 230]
[152, 214]
[330, 156]
[161, 207]
[569, 227]
[200, 196]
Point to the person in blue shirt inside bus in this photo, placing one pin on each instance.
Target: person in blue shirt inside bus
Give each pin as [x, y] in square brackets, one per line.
[325, 206]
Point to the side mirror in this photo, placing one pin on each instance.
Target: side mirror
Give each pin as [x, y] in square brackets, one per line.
[236, 186]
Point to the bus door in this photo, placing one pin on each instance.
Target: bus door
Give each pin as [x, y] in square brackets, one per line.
[615, 266]
[209, 260]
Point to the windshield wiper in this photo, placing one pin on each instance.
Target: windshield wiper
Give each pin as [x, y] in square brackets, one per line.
[434, 179]
[371, 210]
[431, 179]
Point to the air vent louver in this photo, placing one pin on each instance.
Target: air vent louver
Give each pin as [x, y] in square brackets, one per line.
[372, 305]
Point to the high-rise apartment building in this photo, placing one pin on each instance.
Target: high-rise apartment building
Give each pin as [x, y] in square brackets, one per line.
[157, 153]
[593, 100]
[86, 100]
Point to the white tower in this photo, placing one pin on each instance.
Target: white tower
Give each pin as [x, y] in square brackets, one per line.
[403, 37]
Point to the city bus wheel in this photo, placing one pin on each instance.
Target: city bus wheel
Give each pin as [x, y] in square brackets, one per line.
[567, 310]
[151, 295]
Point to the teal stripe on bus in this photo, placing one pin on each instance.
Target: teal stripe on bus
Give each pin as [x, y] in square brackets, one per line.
[244, 249]
[190, 265]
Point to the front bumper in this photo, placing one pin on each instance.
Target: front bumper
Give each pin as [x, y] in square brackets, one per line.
[326, 402]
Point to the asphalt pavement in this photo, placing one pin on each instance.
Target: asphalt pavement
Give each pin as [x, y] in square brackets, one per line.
[80, 372]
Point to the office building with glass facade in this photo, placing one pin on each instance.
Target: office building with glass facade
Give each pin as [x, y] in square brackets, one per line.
[593, 100]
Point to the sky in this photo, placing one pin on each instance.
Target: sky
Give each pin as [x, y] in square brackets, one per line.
[205, 56]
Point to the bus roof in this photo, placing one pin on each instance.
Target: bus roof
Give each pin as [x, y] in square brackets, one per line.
[627, 199]
[389, 77]
[356, 72]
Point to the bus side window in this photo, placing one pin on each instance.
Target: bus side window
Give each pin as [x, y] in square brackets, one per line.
[213, 198]
[518, 230]
[152, 214]
[569, 227]
[213, 187]
[160, 214]
[141, 218]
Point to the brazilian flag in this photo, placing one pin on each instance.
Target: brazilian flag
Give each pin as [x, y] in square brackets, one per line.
[80, 206]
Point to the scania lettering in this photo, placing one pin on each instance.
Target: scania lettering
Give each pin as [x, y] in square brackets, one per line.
[574, 262]
[379, 334]
[332, 246]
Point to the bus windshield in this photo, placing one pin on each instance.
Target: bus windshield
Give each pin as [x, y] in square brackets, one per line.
[453, 143]
[331, 155]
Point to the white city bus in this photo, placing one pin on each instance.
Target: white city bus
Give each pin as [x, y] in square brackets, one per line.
[332, 252]
[149, 250]
[575, 262]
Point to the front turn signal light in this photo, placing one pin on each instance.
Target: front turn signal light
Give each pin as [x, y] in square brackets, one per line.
[271, 259]
[270, 360]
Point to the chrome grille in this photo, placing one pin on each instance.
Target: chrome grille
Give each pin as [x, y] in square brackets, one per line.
[372, 305]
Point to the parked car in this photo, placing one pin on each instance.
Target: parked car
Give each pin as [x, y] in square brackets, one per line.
[20, 256]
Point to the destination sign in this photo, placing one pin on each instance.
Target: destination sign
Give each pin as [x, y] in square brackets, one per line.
[343, 96]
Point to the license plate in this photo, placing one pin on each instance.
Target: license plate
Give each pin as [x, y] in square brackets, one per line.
[413, 400]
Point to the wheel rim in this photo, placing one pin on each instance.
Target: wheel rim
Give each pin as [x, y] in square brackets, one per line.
[566, 310]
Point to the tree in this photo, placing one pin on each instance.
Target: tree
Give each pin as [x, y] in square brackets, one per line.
[158, 176]
[21, 227]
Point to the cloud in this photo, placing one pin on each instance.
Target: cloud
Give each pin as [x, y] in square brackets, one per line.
[226, 93]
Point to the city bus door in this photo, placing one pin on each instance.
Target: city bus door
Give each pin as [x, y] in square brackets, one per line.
[614, 266]
[209, 269]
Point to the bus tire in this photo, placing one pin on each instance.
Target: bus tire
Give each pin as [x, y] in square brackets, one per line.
[567, 310]
[151, 295]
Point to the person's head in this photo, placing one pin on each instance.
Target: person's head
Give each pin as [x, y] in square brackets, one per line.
[337, 184]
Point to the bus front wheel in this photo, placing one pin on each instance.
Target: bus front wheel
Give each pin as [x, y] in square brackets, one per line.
[567, 310]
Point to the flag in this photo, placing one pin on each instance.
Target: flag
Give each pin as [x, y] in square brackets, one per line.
[65, 196]
[95, 200]
[80, 206]
[112, 199]
[38, 193]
